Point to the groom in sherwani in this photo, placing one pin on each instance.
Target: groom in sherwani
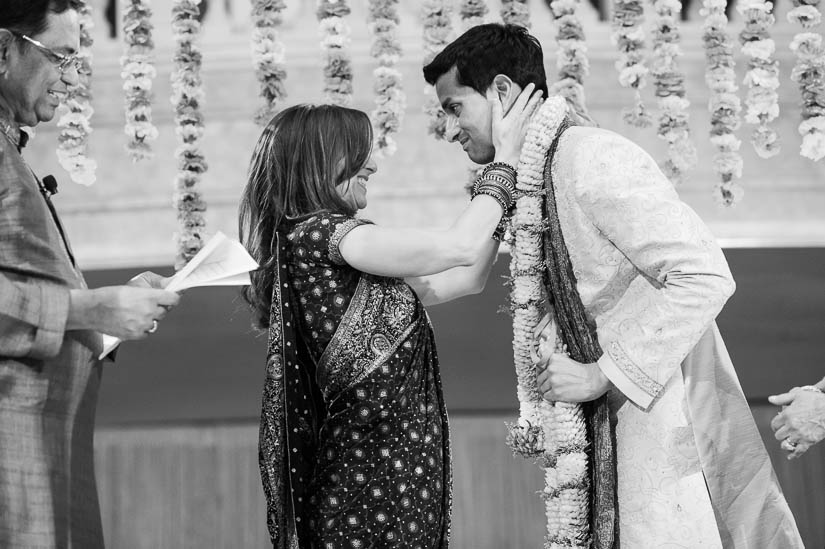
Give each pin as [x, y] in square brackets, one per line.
[692, 470]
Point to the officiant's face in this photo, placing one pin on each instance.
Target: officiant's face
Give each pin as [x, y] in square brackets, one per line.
[468, 117]
[33, 84]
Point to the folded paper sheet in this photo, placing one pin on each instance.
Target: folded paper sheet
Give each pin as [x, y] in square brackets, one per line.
[221, 262]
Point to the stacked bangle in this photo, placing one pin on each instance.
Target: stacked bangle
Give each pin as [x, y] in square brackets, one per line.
[499, 188]
[498, 181]
[500, 168]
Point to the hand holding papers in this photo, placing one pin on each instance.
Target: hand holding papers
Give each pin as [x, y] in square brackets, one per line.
[221, 262]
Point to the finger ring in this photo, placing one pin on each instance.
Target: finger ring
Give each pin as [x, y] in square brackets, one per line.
[788, 445]
[154, 327]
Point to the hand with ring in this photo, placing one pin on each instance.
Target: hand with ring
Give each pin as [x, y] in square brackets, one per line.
[801, 423]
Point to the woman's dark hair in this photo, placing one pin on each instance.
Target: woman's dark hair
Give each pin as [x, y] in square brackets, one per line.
[487, 50]
[29, 17]
[302, 155]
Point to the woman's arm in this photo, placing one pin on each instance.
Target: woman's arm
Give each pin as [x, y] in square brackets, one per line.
[404, 253]
[456, 282]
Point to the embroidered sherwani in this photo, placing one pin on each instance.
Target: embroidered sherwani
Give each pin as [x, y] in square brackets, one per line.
[692, 469]
[49, 378]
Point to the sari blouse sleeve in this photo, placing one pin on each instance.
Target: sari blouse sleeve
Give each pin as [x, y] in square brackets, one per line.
[321, 236]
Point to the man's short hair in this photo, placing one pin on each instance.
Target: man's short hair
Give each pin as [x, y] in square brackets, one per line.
[487, 50]
[29, 17]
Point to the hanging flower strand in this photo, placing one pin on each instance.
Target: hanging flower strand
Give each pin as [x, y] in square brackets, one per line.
[762, 76]
[669, 83]
[472, 13]
[268, 55]
[438, 31]
[629, 36]
[187, 97]
[554, 434]
[809, 73]
[571, 59]
[515, 12]
[390, 100]
[138, 72]
[75, 125]
[337, 61]
[724, 102]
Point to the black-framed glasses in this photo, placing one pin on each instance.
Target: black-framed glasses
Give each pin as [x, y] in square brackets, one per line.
[62, 61]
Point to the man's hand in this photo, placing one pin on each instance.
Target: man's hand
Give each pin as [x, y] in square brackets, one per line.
[125, 312]
[801, 423]
[561, 378]
[509, 131]
[148, 279]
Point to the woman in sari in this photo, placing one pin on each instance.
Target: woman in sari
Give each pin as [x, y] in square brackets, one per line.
[354, 441]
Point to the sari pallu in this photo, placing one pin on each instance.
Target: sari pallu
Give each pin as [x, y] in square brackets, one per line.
[354, 446]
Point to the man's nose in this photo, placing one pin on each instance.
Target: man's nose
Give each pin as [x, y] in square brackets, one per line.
[70, 76]
[451, 129]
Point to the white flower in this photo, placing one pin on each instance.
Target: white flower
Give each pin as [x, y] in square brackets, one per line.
[633, 76]
[760, 49]
[813, 146]
[727, 141]
[744, 5]
[807, 16]
[813, 124]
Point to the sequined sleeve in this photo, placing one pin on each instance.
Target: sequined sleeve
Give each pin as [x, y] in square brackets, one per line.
[339, 230]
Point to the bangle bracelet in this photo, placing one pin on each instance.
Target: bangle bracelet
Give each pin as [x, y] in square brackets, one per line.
[503, 181]
[499, 196]
[503, 166]
[499, 187]
[812, 388]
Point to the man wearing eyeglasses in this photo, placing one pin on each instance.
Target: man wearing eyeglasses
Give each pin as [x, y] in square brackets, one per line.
[50, 322]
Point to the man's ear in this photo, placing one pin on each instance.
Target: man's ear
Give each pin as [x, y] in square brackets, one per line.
[6, 42]
[507, 90]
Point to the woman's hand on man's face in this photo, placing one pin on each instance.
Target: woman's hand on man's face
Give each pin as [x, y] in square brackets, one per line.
[509, 130]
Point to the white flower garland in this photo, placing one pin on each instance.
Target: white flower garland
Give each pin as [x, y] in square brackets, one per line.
[187, 97]
[571, 59]
[473, 12]
[138, 72]
[553, 433]
[437, 33]
[268, 55]
[670, 89]
[74, 124]
[335, 37]
[724, 102]
[629, 36]
[515, 12]
[390, 100]
[809, 73]
[762, 77]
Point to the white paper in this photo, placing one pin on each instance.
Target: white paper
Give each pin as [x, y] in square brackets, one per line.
[221, 262]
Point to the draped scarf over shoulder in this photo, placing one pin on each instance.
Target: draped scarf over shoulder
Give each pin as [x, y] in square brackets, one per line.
[582, 343]
[288, 434]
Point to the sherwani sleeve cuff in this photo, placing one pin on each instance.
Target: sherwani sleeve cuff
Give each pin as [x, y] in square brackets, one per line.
[51, 329]
[627, 377]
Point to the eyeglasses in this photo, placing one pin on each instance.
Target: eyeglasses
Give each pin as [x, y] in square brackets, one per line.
[62, 61]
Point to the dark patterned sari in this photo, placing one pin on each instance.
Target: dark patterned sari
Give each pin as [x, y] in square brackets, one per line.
[354, 442]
